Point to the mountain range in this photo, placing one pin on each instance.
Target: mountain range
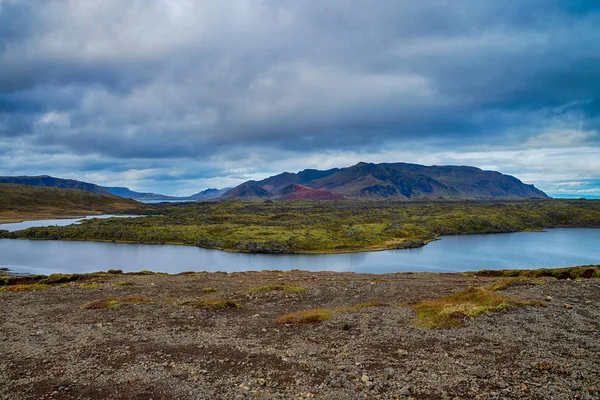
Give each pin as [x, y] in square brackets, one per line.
[397, 181]
[49, 181]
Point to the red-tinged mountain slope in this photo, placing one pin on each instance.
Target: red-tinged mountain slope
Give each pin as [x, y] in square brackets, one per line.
[300, 192]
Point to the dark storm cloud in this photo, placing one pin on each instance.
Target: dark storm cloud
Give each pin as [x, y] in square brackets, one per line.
[161, 80]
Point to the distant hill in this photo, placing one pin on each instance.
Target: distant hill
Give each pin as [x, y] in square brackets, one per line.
[248, 191]
[130, 194]
[400, 181]
[209, 194]
[49, 181]
[23, 202]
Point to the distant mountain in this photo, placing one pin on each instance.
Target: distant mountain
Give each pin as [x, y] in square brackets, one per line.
[209, 194]
[300, 192]
[49, 181]
[130, 194]
[248, 191]
[400, 181]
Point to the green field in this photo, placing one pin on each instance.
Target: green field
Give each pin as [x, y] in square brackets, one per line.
[323, 227]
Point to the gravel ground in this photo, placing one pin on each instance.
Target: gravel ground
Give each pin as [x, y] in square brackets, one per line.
[53, 349]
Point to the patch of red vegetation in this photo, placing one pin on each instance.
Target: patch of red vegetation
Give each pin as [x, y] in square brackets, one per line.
[299, 192]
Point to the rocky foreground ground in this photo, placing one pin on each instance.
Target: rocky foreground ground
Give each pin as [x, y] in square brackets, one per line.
[145, 342]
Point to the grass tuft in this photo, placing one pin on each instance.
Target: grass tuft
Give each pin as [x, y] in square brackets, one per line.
[361, 306]
[24, 288]
[222, 304]
[271, 288]
[210, 290]
[106, 303]
[306, 317]
[88, 286]
[518, 281]
[113, 302]
[452, 310]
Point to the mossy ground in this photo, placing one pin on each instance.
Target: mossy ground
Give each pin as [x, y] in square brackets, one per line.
[272, 288]
[323, 227]
[451, 311]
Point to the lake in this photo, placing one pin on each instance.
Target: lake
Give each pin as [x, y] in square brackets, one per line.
[522, 250]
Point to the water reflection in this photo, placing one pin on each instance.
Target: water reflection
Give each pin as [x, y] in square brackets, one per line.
[528, 250]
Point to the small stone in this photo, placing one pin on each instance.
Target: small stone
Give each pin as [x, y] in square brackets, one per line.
[245, 387]
[568, 306]
[256, 316]
[548, 298]
[406, 391]
[588, 302]
[478, 371]
[402, 352]
[365, 378]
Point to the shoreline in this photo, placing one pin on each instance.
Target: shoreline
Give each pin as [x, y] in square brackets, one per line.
[375, 248]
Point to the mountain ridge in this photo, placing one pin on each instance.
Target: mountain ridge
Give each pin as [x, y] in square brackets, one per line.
[399, 181]
[120, 191]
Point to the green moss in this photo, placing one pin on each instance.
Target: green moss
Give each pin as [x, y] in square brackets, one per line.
[24, 288]
[578, 272]
[113, 302]
[361, 306]
[518, 281]
[271, 288]
[88, 286]
[305, 317]
[220, 304]
[210, 290]
[115, 272]
[451, 311]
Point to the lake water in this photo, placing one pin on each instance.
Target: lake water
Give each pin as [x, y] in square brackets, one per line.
[17, 226]
[523, 250]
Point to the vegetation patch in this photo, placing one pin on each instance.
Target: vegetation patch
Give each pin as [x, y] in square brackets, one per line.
[319, 315]
[24, 288]
[124, 283]
[210, 290]
[322, 227]
[451, 311]
[518, 281]
[361, 306]
[211, 304]
[88, 286]
[306, 317]
[271, 288]
[584, 271]
[61, 278]
[113, 302]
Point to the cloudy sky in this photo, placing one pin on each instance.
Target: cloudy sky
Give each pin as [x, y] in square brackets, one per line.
[177, 96]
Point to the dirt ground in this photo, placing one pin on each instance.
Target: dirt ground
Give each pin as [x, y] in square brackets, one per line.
[51, 348]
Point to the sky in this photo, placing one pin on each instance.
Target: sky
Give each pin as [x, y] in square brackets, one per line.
[177, 96]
